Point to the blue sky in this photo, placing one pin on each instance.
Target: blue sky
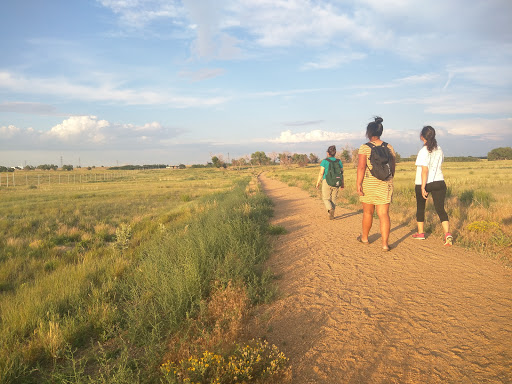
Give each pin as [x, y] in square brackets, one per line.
[106, 82]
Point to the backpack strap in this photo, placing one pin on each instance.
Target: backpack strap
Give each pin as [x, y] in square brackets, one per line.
[371, 145]
[333, 161]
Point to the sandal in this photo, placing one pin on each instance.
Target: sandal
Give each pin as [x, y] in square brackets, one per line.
[359, 238]
[386, 249]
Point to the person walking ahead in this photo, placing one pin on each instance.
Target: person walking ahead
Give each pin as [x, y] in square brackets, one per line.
[329, 193]
[373, 192]
[430, 179]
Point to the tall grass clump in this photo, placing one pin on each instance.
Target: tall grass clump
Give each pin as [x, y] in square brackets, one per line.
[227, 242]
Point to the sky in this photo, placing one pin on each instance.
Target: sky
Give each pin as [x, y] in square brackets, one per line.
[115, 82]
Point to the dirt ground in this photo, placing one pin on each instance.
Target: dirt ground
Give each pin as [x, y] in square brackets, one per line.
[350, 313]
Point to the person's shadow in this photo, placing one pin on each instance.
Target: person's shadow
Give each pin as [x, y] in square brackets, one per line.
[377, 236]
[347, 215]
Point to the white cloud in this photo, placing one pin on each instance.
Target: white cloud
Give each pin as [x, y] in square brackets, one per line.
[89, 133]
[101, 92]
[6, 132]
[28, 108]
[483, 129]
[313, 136]
[139, 13]
[333, 61]
[202, 74]
[87, 128]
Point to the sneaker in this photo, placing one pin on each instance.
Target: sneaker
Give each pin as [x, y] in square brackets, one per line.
[448, 239]
[419, 236]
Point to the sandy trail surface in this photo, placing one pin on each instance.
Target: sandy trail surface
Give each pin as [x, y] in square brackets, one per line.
[350, 313]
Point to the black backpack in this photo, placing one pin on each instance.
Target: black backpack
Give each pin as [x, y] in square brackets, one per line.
[379, 159]
[334, 177]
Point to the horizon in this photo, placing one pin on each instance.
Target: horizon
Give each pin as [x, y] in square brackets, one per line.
[169, 82]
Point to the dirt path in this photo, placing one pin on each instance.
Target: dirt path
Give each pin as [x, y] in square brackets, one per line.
[350, 313]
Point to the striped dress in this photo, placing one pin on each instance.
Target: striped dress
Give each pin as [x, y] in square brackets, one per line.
[376, 192]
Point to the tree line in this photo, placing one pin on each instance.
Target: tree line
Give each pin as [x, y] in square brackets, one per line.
[347, 155]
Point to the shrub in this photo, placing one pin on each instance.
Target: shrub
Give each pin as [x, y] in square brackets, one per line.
[253, 362]
[466, 197]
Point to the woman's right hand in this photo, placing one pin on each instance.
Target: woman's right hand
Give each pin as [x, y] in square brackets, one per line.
[360, 190]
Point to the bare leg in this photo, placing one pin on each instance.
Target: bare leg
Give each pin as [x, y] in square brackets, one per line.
[446, 226]
[385, 223]
[368, 210]
[421, 227]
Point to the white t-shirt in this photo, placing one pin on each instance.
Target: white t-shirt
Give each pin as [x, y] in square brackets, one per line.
[433, 160]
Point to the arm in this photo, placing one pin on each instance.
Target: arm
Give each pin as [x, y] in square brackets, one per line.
[424, 177]
[392, 164]
[320, 176]
[361, 167]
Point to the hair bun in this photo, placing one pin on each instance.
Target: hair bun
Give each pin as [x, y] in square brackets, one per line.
[378, 119]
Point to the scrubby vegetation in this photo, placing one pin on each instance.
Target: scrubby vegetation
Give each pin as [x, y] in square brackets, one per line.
[106, 282]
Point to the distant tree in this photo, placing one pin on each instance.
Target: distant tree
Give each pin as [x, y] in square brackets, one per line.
[313, 159]
[238, 163]
[300, 159]
[285, 159]
[47, 167]
[398, 158]
[346, 155]
[182, 166]
[502, 153]
[216, 162]
[3, 169]
[29, 168]
[67, 167]
[355, 156]
[274, 156]
[260, 158]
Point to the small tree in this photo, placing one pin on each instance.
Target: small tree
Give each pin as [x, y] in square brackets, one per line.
[260, 158]
[217, 161]
[182, 166]
[67, 167]
[285, 159]
[300, 159]
[313, 159]
[274, 156]
[346, 155]
[355, 156]
[502, 153]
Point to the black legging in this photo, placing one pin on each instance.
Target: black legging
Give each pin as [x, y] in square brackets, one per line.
[438, 191]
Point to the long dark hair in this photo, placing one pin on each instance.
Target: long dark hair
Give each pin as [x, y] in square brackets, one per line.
[429, 134]
[331, 151]
[374, 129]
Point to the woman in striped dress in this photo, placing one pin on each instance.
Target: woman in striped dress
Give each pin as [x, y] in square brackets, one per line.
[374, 193]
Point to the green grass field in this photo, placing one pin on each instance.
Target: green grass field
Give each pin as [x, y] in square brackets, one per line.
[98, 274]
[478, 204]
[106, 276]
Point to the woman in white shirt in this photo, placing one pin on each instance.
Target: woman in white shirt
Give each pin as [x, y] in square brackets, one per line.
[429, 179]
